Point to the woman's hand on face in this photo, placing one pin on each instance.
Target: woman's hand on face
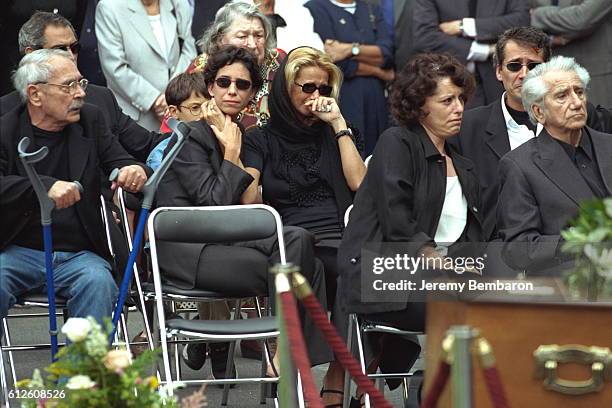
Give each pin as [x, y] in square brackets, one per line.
[212, 115]
[325, 109]
[230, 137]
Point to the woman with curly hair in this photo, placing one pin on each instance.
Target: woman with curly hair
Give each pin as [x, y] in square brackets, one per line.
[418, 194]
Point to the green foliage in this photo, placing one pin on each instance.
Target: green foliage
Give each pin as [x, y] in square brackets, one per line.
[90, 375]
[589, 237]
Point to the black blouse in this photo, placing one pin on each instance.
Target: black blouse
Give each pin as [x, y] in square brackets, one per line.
[317, 211]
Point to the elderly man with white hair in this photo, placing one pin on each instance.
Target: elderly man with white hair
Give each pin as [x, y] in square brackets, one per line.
[544, 181]
[53, 115]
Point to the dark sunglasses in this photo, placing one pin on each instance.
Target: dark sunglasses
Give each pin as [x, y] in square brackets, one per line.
[241, 84]
[310, 87]
[516, 66]
[75, 47]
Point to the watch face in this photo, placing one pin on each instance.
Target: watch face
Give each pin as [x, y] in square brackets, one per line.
[355, 50]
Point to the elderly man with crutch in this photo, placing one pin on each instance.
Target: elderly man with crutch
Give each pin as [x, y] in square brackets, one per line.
[80, 146]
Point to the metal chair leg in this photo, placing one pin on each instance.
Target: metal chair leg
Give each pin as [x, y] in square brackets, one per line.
[143, 308]
[4, 401]
[230, 357]
[405, 391]
[177, 357]
[361, 356]
[161, 330]
[267, 358]
[347, 377]
[7, 340]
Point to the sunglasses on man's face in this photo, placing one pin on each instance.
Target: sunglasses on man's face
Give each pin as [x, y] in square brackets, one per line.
[241, 84]
[516, 66]
[310, 87]
[74, 48]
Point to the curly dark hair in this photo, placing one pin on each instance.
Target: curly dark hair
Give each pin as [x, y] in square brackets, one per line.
[228, 55]
[419, 79]
[525, 37]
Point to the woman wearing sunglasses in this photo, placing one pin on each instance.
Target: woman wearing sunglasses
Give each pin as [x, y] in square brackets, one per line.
[306, 158]
[209, 171]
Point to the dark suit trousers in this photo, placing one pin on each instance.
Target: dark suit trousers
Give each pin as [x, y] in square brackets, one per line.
[258, 255]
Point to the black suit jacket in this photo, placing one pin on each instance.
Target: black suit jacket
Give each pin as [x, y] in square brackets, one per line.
[90, 149]
[484, 140]
[492, 19]
[400, 201]
[541, 190]
[136, 140]
[198, 176]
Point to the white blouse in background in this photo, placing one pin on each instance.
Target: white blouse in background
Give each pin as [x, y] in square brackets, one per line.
[158, 31]
[454, 213]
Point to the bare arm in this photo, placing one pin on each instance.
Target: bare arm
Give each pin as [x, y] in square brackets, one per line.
[353, 167]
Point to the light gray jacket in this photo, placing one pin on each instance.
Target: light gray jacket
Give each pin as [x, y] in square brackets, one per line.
[134, 67]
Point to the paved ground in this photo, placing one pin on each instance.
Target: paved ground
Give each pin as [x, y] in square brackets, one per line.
[33, 331]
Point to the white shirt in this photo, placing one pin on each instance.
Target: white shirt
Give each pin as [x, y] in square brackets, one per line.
[351, 7]
[517, 134]
[300, 27]
[158, 31]
[454, 213]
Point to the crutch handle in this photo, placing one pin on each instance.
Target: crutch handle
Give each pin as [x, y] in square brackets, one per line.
[28, 159]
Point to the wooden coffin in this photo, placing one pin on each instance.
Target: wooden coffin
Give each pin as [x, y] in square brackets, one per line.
[515, 330]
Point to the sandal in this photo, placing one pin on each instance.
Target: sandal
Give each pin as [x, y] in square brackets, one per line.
[324, 391]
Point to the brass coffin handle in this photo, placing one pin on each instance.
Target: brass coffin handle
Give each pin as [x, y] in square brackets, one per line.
[547, 358]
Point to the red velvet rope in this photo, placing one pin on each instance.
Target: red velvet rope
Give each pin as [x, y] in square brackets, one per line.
[431, 400]
[345, 358]
[297, 346]
[495, 387]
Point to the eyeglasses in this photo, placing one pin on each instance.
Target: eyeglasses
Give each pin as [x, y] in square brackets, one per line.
[195, 110]
[71, 87]
[75, 47]
[241, 84]
[516, 66]
[310, 87]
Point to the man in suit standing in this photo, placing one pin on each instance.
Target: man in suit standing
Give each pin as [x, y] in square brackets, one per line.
[50, 30]
[544, 181]
[581, 29]
[468, 29]
[53, 114]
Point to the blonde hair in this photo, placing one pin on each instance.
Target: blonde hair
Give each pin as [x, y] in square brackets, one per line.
[309, 57]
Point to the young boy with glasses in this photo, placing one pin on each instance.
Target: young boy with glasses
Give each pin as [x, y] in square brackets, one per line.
[185, 94]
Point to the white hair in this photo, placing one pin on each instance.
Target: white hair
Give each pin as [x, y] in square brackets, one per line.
[34, 68]
[534, 87]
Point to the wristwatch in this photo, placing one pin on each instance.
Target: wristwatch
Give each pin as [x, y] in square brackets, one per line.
[355, 49]
[345, 132]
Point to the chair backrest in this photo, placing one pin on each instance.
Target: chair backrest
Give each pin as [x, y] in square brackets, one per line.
[219, 224]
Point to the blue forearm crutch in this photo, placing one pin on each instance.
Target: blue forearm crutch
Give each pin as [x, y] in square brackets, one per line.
[46, 207]
[149, 190]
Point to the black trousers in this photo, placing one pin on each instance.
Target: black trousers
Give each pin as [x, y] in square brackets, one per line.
[257, 256]
[396, 353]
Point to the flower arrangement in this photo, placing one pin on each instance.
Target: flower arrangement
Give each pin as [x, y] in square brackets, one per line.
[589, 238]
[88, 374]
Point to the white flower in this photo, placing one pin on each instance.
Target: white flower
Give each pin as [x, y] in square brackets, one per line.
[117, 360]
[166, 392]
[76, 329]
[80, 382]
